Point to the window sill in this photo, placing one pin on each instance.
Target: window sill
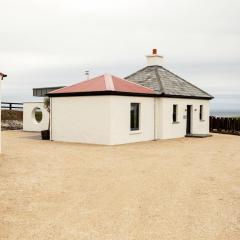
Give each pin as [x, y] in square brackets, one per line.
[135, 132]
[175, 122]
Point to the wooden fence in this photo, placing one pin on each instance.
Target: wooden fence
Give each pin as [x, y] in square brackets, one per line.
[224, 125]
[11, 106]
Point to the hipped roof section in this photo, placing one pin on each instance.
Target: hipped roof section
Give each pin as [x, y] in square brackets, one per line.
[151, 81]
[166, 83]
[104, 85]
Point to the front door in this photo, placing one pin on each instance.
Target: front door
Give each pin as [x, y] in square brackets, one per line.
[189, 119]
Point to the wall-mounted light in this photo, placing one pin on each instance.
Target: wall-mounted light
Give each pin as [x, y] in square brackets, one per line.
[2, 75]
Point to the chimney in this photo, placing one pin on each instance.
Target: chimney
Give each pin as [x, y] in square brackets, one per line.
[154, 59]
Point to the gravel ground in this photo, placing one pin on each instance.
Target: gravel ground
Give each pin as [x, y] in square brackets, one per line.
[184, 189]
[11, 125]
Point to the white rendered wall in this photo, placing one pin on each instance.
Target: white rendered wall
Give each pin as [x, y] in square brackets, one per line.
[106, 119]
[100, 119]
[84, 119]
[120, 119]
[29, 121]
[167, 129]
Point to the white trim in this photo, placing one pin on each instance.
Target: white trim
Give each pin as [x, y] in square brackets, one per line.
[135, 132]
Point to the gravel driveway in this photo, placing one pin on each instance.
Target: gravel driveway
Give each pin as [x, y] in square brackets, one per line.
[184, 189]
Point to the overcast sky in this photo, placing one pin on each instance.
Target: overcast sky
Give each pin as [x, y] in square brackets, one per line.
[52, 42]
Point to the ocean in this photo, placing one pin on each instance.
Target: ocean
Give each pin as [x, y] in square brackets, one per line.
[225, 113]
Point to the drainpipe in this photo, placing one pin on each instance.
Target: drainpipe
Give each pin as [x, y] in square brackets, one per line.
[155, 119]
[50, 119]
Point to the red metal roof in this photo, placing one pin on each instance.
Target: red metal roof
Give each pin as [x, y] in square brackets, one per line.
[103, 83]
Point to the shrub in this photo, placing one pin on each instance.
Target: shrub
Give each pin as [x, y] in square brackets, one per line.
[12, 115]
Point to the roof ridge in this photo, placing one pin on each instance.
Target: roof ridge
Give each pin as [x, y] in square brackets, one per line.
[109, 82]
[159, 79]
[188, 82]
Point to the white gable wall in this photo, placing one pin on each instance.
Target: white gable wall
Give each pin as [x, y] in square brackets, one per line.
[84, 119]
[167, 129]
[120, 119]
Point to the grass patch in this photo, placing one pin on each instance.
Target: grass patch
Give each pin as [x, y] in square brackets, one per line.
[38, 116]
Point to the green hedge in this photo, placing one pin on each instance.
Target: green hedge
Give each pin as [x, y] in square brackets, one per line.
[12, 115]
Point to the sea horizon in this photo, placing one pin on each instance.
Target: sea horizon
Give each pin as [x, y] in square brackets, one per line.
[225, 113]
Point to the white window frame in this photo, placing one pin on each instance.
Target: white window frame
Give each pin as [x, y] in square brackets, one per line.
[139, 117]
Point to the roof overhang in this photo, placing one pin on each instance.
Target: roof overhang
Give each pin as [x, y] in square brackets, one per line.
[42, 92]
[102, 93]
[185, 96]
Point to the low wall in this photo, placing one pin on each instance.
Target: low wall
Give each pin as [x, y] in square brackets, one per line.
[12, 115]
[32, 120]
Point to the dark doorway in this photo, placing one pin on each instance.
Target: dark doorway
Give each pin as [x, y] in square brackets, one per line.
[189, 119]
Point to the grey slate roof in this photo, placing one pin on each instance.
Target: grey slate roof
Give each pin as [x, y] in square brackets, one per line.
[166, 83]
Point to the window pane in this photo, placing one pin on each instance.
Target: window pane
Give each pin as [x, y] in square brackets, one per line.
[134, 116]
[174, 113]
[201, 112]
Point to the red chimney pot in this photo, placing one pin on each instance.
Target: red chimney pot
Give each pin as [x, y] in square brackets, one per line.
[154, 51]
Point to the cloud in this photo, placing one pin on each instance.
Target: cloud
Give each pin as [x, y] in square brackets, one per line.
[53, 42]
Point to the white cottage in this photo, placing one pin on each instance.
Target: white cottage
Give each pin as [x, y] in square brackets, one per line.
[151, 104]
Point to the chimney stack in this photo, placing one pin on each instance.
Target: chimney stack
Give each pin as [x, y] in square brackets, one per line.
[154, 59]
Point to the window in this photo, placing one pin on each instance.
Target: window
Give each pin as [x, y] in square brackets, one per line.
[134, 116]
[201, 112]
[175, 109]
[37, 115]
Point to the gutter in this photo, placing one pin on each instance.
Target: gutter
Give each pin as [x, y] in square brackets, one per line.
[97, 93]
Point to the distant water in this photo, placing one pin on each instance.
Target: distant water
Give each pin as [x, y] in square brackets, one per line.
[225, 113]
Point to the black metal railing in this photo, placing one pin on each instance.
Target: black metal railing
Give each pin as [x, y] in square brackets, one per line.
[11, 105]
